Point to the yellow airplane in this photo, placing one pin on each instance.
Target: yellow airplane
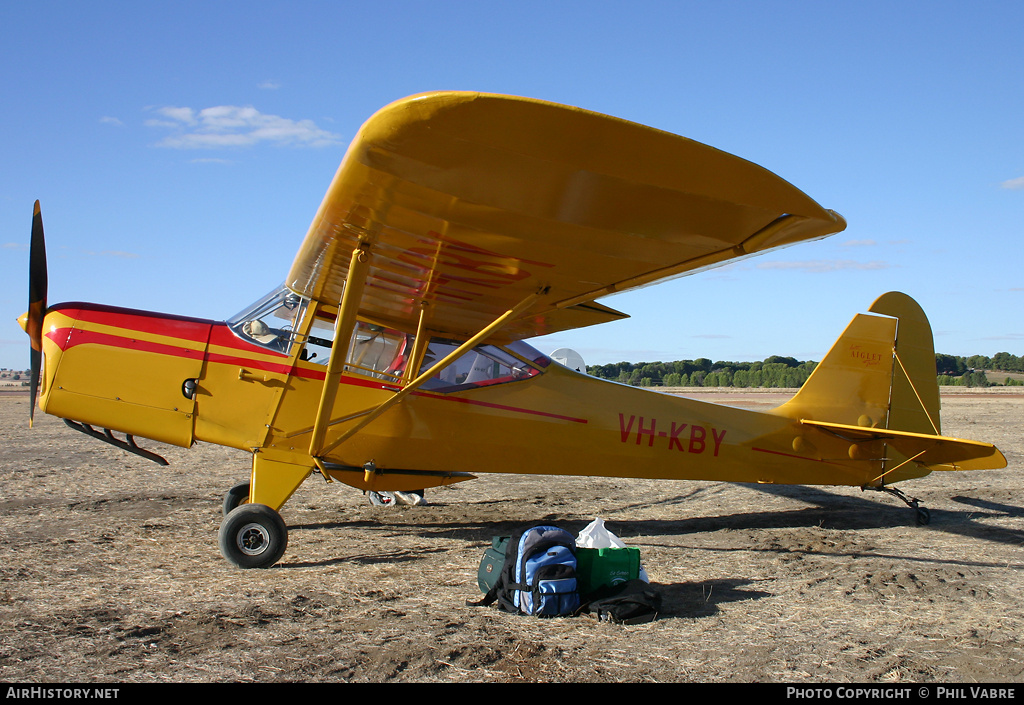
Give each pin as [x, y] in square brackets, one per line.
[392, 358]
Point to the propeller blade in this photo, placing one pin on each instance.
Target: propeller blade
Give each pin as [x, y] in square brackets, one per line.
[37, 285]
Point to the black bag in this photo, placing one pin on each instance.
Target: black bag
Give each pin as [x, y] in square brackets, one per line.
[538, 576]
[631, 602]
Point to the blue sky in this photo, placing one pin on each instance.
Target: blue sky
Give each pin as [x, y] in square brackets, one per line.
[180, 149]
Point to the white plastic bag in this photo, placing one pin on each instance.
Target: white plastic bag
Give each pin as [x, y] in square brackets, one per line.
[596, 535]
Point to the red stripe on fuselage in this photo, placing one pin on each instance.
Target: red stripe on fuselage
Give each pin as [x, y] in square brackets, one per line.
[195, 330]
[201, 331]
[503, 407]
[797, 457]
[78, 336]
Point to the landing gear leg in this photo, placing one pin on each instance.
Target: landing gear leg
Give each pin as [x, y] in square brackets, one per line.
[922, 515]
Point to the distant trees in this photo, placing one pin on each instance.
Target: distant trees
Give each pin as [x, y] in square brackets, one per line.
[779, 371]
[950, 365]
[956, 365]
[775, 371]
[1005, 362]
[970, 371]
[967, 379]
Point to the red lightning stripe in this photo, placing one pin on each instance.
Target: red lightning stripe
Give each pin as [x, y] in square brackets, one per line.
[199, 331]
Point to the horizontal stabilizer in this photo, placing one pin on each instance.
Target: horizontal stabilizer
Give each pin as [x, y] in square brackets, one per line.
[935, 452]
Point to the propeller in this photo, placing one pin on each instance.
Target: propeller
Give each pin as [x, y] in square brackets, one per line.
[36, 304]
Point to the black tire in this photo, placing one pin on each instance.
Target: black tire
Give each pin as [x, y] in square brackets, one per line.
[253, 536]
[235, 497]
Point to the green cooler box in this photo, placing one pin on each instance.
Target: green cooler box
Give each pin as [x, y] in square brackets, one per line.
[596, 567]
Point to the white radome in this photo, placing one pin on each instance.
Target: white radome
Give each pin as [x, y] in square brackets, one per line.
[570, 358]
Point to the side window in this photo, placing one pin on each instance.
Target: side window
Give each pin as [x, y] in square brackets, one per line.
[378, 352]
[319, 341]
[482, 366]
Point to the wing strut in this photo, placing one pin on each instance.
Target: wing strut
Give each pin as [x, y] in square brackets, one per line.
[371, 414]
[343, 327]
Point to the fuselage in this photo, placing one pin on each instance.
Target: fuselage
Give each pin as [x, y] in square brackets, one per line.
[180, 380]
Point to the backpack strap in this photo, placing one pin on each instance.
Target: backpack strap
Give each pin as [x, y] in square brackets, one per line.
[486, 600]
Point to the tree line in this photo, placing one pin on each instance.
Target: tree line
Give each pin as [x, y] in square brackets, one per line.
[778, 371]
[956, 365]
[774, 371]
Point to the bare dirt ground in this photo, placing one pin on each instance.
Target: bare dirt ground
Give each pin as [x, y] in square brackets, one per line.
[110, 572]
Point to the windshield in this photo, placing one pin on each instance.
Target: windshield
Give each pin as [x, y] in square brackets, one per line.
[271, 321]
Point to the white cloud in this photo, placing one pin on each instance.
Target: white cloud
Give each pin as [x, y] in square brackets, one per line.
[175, 117]
[824, 265]
[1014, 184]
[269, 85]
[859, 243]
[108, 120]
[235, 126]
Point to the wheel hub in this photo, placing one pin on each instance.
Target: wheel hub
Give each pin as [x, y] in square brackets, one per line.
[252, 539]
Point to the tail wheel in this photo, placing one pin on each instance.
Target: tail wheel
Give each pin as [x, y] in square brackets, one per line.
[235, 497]
[253, 536]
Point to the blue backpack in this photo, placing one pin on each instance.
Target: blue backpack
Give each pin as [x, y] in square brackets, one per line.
[538, 576]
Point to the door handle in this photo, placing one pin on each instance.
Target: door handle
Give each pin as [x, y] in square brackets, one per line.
[247, 376]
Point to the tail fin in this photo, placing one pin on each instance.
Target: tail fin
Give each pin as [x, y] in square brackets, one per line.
[878, 385]
[880, 373]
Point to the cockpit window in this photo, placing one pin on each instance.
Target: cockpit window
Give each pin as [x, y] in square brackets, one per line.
[482, 366]
[529, 353]
[378, 352]
[271, 321]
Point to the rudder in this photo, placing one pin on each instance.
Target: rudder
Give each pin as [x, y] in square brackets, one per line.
[914, 405]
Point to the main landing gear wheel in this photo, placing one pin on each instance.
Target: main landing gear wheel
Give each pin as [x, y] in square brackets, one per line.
[235, 497]
[253, 536]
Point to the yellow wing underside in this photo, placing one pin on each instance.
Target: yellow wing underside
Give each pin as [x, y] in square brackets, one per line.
[471, 202]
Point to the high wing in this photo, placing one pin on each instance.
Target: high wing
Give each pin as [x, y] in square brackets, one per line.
[467, 203]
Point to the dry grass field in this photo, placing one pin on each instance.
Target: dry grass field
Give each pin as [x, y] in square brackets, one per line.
[109, 572]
